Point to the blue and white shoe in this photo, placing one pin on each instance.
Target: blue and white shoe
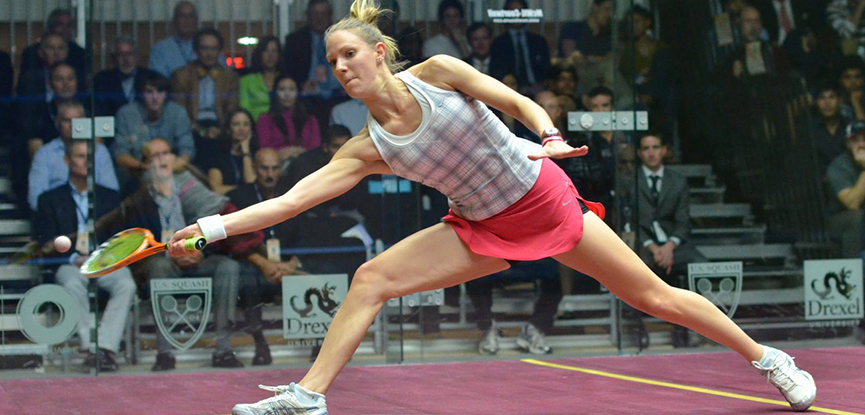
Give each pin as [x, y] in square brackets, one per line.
[288, 400]
[795, 384]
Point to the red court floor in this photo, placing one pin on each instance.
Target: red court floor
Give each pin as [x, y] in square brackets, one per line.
[709, 383]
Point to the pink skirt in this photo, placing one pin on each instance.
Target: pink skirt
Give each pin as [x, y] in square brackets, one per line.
[546, 221]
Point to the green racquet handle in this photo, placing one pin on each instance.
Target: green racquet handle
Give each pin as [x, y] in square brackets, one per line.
[195, 244]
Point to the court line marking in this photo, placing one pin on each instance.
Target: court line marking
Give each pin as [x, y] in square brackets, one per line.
[682, 387]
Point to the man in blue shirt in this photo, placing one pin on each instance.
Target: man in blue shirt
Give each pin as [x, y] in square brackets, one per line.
[44, 172]
[176, 51]
[63, 211]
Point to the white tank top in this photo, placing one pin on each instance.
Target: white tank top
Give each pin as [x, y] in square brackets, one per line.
[462, 150]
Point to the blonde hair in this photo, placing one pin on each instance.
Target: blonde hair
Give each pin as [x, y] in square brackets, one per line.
[362, 21]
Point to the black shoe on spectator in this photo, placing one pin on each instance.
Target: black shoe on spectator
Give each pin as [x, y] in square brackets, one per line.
[226, 358]
[315, 351]
[164, 361]
[262, 355]
[681, 337]
[106, 361]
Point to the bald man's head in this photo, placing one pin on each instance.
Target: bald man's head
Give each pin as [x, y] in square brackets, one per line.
[268, 168]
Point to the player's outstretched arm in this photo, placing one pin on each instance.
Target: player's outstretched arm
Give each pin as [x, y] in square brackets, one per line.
[355, 160]
[451, 73]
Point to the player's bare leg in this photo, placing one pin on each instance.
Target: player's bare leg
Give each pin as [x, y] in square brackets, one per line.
[430, 259]
[602, 255]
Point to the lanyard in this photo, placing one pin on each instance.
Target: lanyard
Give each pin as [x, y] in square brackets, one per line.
[261, 199]
[237, 172]
[82, 213]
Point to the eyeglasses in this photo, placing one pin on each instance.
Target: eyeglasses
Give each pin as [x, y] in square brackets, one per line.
[856, 139]
[159, 154]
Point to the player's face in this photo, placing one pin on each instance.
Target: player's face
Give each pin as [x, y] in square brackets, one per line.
[652, 152]
[240, 127]
[353, 62]
[268, 167]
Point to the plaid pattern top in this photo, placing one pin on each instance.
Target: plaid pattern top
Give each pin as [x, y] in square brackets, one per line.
[462, 150]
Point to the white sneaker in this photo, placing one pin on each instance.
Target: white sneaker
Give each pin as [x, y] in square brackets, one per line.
[795, 384]
[289, 400]
[489, 344]
[532, 340]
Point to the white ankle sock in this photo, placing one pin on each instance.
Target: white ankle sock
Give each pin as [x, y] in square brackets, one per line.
[769, 354]
[309, 393]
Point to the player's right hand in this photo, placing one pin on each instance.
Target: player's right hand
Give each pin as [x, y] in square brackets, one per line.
[176, 246]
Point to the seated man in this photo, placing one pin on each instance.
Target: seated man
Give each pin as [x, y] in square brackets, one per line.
[531, 339]
[44, 174]
[260, 284]
[207, 90]
[63, 211]
[114, 88]
[163, 205]
[664, 222]
[149, 116]
[37, 116]
[844, 180]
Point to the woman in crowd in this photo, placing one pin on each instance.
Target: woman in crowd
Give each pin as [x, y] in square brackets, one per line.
[288, 128]
[228, 161]
[257, 85]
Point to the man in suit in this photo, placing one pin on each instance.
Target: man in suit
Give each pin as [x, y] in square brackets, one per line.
[172, 53]
[44, 173]
[664, 222]
[60, 22]
[663, 208]
[63, 211]
[481, 39]
[781, 17]
[115, 88]
[208, 91]
[305, 48]
[520, 52]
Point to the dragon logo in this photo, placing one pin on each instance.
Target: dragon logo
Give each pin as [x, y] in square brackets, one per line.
[840, 283]
[325, 303]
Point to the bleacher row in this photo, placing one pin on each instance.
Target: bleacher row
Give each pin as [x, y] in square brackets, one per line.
[771, 298]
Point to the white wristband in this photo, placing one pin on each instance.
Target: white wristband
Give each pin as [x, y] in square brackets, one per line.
[212, 228]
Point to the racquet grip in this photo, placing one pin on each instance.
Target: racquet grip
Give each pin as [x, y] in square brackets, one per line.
[195, 244]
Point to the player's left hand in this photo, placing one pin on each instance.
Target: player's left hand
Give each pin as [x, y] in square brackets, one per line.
[559, 150]
[176, 246]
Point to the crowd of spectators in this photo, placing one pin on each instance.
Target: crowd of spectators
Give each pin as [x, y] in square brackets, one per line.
[195, 136]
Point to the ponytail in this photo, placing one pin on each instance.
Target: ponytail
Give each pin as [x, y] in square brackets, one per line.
[362, 21]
